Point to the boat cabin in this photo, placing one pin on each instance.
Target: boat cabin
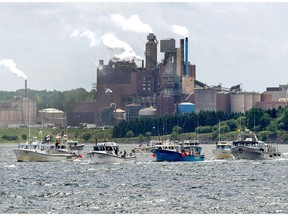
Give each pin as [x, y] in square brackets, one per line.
[107, 147]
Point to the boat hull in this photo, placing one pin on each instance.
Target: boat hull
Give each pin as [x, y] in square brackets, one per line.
[166, 155]
[222, 153]
[100, 157]
[42, 156]
[250, 153]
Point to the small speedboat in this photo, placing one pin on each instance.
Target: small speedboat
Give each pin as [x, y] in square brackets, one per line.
[108, 152]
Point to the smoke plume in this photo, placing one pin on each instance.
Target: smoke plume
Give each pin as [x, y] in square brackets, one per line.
[87, 34]
[133, 23]
[112, 42]
[180, 30]
[11, 66]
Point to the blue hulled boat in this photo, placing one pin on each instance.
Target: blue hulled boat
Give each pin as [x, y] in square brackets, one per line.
[188, 150]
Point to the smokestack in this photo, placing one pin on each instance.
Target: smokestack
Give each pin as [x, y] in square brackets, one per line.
[25, 88]
[186, 57]
[182, 55]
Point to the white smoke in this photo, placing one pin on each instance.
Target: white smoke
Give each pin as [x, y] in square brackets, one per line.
[112, 42]
[87, 34]
[11, 66]
[180, 30]
[133, 23]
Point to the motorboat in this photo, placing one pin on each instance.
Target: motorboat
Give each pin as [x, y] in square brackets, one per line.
[223, 150]
[142, 148]
[247, 146]
[188, 150]
[74, 145]
[108, 152]
[36, 151]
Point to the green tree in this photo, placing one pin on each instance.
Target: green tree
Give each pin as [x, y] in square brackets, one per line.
[86, 136]
[129, 134]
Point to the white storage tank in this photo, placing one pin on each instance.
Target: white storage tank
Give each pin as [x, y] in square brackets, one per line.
[147, 112]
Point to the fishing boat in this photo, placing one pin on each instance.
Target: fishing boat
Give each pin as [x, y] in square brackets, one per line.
[188, 150]
[247, 146]
[74, 145]
[35, 151]
[223, 150]
[147, 148]
[108, 152]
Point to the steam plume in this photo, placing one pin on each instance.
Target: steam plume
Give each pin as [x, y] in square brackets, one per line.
[133, 23]
[112, 42]
[180, 30]
[11, 66]
[87, 34]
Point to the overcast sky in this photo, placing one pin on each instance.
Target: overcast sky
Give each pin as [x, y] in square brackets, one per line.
[58, 45]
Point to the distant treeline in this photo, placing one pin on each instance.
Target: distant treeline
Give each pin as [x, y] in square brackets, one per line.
[255, 119]
[63, 100]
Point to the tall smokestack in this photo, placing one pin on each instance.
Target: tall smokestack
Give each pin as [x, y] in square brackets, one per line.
[25, 88]
[186, 57]
[182, 55]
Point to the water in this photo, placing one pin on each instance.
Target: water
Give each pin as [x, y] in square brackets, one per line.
[212, 186]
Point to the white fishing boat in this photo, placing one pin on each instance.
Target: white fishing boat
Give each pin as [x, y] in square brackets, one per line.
[35, 151]
[147, 148]
[108, 152]
[74, 145]
[223, 150]
[247, 146]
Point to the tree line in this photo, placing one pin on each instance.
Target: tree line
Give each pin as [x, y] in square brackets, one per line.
[62, 100]
[256, 119]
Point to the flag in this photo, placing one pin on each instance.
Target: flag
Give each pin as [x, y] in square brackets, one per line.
[48, 137]
[65, 136]
[58, 136]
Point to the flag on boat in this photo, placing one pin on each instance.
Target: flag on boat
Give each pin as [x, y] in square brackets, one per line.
[65, 136]
[48, 137]
[58, 136]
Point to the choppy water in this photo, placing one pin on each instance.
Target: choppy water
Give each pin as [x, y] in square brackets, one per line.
[212, 186]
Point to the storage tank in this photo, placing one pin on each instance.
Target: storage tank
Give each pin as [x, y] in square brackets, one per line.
[132, 111]
[185, 107]
[147, 112]
[119, 114]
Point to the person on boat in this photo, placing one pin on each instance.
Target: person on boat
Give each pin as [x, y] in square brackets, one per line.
[56, 144]
[124, 154]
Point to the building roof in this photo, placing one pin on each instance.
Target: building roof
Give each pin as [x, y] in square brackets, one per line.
[51, 110]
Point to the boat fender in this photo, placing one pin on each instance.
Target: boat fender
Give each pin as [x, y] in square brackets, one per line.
[182, 154]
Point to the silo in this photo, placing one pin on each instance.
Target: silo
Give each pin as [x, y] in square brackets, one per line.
[147, 112]
[185, 107]
[237, 103]
[248, 101]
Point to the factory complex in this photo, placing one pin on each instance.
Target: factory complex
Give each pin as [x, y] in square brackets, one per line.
[125, 91]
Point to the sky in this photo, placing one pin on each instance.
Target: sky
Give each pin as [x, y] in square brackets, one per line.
[57, 46]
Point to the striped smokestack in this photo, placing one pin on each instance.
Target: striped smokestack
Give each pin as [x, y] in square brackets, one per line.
[186, 57]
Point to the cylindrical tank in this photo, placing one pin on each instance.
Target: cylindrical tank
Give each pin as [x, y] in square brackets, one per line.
[150, 111]
[237, 103]
[119, 114]
[185, 107]
[132, 111]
